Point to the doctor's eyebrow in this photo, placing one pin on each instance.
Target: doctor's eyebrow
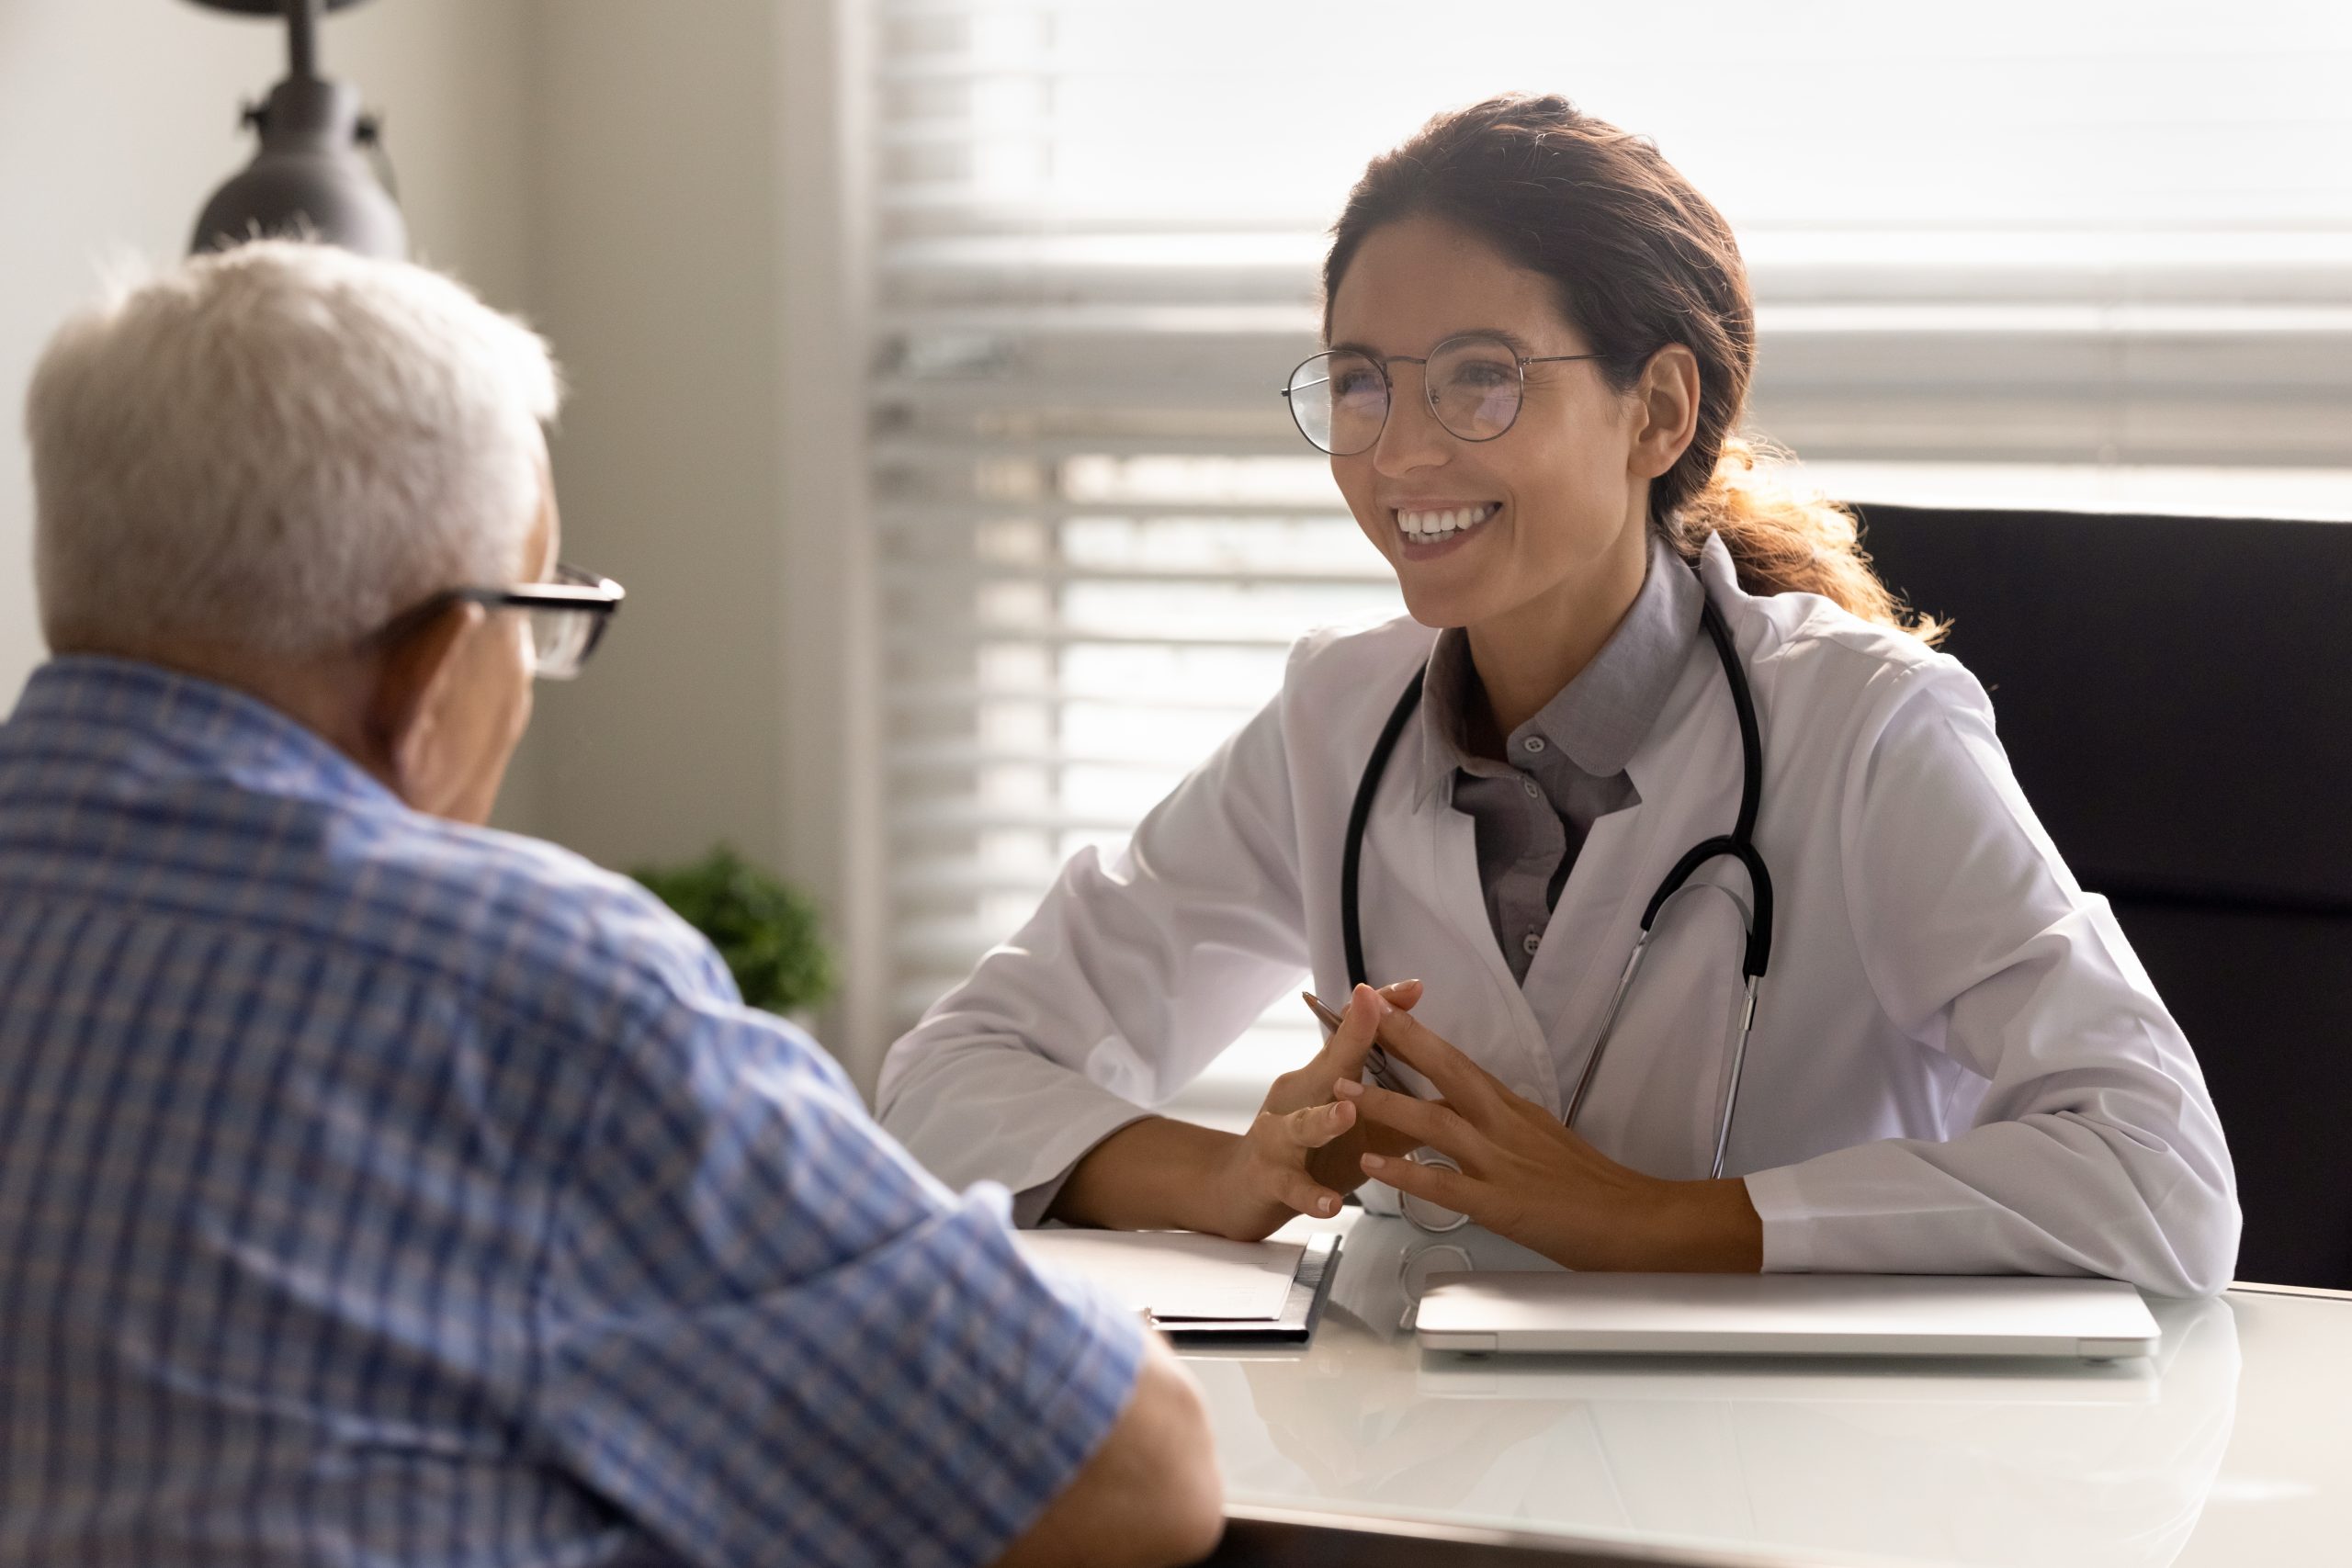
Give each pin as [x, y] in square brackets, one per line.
[1511, 340]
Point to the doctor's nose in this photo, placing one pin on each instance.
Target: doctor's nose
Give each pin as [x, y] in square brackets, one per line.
[1411, 437]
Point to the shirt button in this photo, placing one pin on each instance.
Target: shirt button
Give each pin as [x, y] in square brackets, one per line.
[1533, 743]
[1531, 787]
[1531, 941]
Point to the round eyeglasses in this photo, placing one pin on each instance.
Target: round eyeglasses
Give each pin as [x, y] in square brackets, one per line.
[1474, 383]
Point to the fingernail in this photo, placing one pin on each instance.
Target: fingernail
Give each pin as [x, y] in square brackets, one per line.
[1325, 1205]
[1381, 1005]
[1373, 1162]
[1348, 1089]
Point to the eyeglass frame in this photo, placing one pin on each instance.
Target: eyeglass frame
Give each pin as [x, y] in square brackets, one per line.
[1388, 384]
[574, 589]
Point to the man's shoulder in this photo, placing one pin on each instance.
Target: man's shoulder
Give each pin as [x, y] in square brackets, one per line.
[520, 922]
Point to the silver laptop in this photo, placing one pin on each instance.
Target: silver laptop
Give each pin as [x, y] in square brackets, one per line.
[1785, 1314]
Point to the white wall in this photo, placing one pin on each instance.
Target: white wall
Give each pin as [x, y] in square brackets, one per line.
[691, 242]
[654, 174]
[117, 118]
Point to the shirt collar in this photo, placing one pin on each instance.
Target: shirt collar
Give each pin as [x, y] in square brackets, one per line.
[1598, 720]
[168, 720]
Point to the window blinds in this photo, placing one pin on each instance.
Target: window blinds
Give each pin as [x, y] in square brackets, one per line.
[2091, 235]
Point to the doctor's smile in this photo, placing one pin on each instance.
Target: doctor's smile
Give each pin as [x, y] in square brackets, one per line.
[1428, 530]
[1738, 945]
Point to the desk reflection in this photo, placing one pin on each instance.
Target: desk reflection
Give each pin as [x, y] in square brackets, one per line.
[1908, 1459]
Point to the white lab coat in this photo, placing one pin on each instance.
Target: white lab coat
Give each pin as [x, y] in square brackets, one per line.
[1958, 1065]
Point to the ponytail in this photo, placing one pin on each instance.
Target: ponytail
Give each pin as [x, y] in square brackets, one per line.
[1785, 539]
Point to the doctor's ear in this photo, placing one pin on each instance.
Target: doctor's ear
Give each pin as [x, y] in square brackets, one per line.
[1667, 411]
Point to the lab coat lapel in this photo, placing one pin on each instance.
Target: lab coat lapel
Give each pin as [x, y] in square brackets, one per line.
[1516, 1053]
[1687, 776]
[1582, 954]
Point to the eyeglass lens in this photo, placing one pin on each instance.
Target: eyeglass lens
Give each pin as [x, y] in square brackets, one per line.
[559, 642]
[561, 639]
[1340, 399]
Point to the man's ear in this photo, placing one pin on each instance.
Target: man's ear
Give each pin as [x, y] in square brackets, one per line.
[1668, 395]
[411, 691]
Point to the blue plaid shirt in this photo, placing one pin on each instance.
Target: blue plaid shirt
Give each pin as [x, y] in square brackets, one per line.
[376, 1190]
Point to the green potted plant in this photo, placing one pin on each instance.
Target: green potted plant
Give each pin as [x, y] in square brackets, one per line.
[768, 931]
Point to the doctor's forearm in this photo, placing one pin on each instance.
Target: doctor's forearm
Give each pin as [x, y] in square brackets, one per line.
[1155, 1174]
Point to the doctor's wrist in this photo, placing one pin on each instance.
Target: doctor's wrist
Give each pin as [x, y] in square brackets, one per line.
[1707, 1227]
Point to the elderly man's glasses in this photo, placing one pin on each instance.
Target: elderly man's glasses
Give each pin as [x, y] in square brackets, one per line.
[1474, 384]
[567, 617]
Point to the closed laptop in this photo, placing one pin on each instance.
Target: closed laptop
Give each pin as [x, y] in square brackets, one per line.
[1785, 1314]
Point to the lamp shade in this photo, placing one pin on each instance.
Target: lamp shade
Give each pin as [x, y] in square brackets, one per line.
[308, 178]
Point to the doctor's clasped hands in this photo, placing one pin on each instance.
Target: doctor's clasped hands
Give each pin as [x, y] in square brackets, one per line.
[1302, 1153]
[1321, 1131]
[1525, 1176]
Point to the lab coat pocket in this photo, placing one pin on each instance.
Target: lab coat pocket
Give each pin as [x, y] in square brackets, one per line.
[1656, 1098]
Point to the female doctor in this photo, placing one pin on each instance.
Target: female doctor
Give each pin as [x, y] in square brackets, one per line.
[1874, 1025]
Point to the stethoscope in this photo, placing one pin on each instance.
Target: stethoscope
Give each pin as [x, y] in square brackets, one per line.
[1739, 844]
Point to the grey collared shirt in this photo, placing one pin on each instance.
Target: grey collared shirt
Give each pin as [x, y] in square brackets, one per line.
[1567, 764]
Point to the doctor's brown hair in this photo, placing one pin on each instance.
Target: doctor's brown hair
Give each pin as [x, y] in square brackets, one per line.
[1639, 260]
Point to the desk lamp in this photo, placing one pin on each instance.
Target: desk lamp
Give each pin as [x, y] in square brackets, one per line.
[309, 176]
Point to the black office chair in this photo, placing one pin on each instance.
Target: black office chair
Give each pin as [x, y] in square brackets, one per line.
[2173, 692]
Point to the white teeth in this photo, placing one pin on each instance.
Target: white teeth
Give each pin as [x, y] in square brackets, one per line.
[1440, 525]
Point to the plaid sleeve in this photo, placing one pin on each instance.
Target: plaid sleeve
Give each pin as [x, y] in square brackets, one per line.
[769, 1338]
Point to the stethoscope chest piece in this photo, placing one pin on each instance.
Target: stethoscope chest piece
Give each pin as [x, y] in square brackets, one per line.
[1425, 1215]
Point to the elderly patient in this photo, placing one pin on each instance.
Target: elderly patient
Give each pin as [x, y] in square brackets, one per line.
[376, 1188]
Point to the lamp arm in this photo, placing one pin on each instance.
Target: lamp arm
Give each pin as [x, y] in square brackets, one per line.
[302, 39]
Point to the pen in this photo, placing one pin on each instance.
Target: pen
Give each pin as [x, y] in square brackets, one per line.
[1375, 1061]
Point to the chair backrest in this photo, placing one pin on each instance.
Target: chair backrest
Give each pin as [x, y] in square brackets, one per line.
[2174, 694]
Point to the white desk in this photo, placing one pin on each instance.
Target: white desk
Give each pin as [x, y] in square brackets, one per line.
[2234, 1446]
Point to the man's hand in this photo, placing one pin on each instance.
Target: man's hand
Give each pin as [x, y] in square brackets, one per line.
[1526, 1177]
[1305, 1150]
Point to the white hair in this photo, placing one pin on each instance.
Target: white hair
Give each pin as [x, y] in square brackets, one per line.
[279, 447]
